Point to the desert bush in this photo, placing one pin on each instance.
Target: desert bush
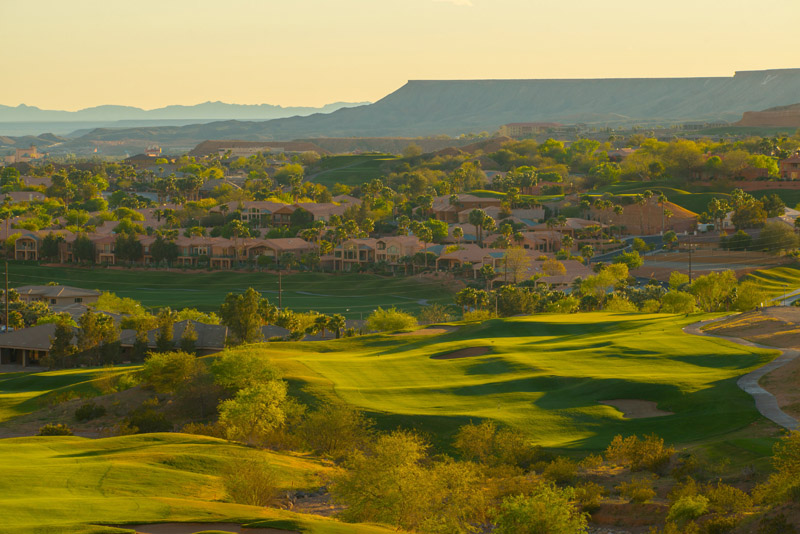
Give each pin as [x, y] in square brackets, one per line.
[591, 461]
[254, 411]
[55, 429]
[687, 508]
[620, 304]
[639, 454]
[251, 482]
[638, 490]
[548, 509]
[89, 410]
[721, 524]
[242, 368]
[477, 316]
[725, 499]
[213, 430]
[336, 430]
[145, 419]
[776, 524]
[391, 319]
[589, 495]
[166, 372]
[786, 462]
[561, 470]
[486, 444]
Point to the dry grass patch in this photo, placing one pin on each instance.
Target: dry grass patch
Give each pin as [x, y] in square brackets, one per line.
[636, 409]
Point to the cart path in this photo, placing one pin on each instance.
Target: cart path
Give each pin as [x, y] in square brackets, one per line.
[766, 403]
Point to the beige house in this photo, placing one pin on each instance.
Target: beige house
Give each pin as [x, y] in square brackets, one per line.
[57, 295]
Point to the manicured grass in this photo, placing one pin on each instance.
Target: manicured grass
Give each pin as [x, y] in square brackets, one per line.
[545, 375]
[23, 393]
[68, 484]
[777, 280]
[352, 170]
[205, 290]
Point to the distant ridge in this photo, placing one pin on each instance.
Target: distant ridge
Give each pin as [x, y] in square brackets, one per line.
[431, 107]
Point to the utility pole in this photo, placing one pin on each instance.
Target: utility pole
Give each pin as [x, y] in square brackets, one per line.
[690, 258]
[280, 291]
[6, 295]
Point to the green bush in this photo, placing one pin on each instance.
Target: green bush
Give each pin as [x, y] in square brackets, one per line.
[561, 470]
[89, 410]
[589, 495]
[251, 482]
[147, 420]
[390, 320]
[638, 490]
[648, 453]
[687, 508]
[55, 429]
[547, 510]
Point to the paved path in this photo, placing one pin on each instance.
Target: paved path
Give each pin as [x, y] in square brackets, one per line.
[766, 403]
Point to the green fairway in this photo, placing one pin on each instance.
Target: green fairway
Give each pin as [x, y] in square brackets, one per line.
[68, 484]
[544, 375]
[776, 281]
[23, 393]
[348, 294]
[352, 170]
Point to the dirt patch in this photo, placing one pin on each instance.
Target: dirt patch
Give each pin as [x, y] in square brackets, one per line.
[192, 528]
[635, 408]
[782, 383]
[470, 352]
[430, 331]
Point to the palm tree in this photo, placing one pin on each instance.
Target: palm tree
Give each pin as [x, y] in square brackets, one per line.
[587, 251]
[662, 199]
[336, 323]
[458, 234]
[321, 321]
[618, 211]
[426, 236]
[477, 218]
[567, 241]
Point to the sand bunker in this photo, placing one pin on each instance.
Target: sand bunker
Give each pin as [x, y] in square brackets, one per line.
[430, 331]
[192, 528]
[463, 353]
[636, 409]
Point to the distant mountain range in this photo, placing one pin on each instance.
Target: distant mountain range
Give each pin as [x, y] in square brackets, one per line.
[31, 120]
[427, 108]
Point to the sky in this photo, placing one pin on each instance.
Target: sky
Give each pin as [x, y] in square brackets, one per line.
[72, 54]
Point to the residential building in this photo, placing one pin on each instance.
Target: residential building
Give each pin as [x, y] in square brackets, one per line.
[447, 208]
[57, 295]
[354, 252]
[528, 129]
[790, 167]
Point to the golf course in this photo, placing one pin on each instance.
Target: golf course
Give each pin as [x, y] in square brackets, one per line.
[348, 294]
[546, 375]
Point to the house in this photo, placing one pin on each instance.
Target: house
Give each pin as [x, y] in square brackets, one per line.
[57, 295]
[354, 252]
[473, 255]
[26, 247]
[27, 346]
[392, 249]
[790, 167]
[210, 337]
[322, 211]
[24, 155]
[528, 129]
[447, 208]
[275, 248]
[17, 197]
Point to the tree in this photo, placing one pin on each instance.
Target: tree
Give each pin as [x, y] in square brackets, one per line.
[254, 411]
[165, 338]
[631, 259]
[749, 215]
[49, 247]
[553, 267]
[587, 251]
[478, 218]
[240, 313]
[96, 331]
[458, 233]
[168, 372]
[547, 510]
[775, 237]
[127, 247]
[188, 342]
[241, 369]
[336, 430]
[163, 250]
[677, 302]
[712, 290]
[83, 249]
[515, 264]
[337, 323]
[61, 347]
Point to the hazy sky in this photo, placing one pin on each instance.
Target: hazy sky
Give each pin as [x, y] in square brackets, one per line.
[70, 54]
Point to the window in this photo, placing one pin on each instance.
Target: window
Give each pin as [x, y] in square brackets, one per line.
[52, 301]
[78, 300]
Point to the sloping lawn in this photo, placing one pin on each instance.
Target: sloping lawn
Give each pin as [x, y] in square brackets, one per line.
[68, 484]
[543, 374]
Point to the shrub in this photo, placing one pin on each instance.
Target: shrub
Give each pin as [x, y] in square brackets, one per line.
[548, 509]
[250, 482]
[55, 429]
[213, 430]
[620, 304]
[561, 470]
[242, 368]
[638, 490]
[725, 499]
[687, 508]
[336, 430]
[478, 316]
[648, 453]
[89, 411]
[721, 524]
[166, 372]
[678, 302]
[146, 420]
[589, 495]
[389, 320]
